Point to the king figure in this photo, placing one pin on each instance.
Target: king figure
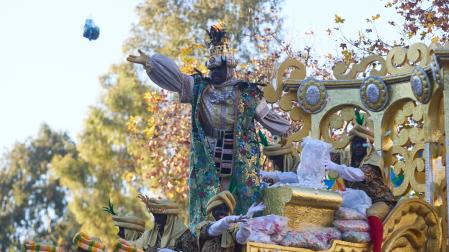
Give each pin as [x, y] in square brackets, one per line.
[224, 146]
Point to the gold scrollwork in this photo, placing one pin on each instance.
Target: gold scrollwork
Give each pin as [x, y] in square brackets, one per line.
[336, 124]
[403, 145]
[286, 99]
[399, 60]
[402, 61]
[343, 72]
[298, 73]
[412, 225]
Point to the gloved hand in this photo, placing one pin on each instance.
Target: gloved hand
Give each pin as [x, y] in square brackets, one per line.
[243, 233]
[218, 227]
[165, 250]
[331, 166]
[265, 175]
[254, 209]
[347, 173]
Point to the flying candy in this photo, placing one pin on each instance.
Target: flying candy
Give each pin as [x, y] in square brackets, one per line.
[91, 31]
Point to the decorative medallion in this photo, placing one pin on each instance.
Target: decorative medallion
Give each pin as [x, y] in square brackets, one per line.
[374, 93]
[421, 85]
[312, 95]
[436, 73]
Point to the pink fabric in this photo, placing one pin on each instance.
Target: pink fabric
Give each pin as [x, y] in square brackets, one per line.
[351, 225]
[268, 229]
[319, 239]
[349, 214]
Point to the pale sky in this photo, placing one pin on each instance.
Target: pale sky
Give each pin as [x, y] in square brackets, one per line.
[49, 72]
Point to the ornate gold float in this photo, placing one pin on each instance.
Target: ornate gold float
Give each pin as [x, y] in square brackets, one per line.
[302, 206]
[404, 98]
[413, 225]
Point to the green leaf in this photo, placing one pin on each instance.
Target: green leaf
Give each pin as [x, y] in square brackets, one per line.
[110, 208]
[263, 139]
[359, 119]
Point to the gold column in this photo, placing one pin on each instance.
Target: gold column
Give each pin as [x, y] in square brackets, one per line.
[442, 56]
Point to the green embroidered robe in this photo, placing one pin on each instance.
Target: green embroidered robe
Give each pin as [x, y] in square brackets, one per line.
[244, 182]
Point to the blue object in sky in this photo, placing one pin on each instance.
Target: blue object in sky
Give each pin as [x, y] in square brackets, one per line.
[91, 31]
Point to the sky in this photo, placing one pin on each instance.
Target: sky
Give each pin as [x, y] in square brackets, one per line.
[49, 72]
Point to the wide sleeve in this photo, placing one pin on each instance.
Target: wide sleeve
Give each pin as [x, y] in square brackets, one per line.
[166, 74]
[143, 240]
[275, 123]
[351, 174]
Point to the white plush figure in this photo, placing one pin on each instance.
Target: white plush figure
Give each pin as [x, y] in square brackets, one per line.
[311, 170]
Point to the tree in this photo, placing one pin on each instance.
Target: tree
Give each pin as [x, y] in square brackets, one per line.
[177, 30]
[100, 171]
[425, 21]
[32, 200]
[167, 26]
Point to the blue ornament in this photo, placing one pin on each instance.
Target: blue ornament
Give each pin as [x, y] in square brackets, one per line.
[91, 31]
[396, 179]
[329, 183]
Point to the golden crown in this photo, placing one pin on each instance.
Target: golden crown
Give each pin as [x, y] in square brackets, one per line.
[219, 46]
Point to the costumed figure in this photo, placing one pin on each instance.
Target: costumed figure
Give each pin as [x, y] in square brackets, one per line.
[224, 147]
[222, 231]
[169, 230]
[366, 174]
[130, 227]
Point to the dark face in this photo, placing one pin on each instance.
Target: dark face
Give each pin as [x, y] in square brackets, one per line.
[220, 211]
[160, 219]
[358, 148]
[121, 232]
[219, 74]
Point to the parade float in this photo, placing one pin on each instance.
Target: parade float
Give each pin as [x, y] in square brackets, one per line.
[404, 97]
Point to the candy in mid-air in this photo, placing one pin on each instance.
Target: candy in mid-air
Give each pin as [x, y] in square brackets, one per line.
[91, 31]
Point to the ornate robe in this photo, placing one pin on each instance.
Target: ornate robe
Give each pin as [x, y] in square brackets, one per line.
[374, 185]
[224, 140]
[373, 180]
[178, 240]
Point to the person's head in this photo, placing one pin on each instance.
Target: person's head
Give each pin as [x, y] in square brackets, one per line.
[220, 211]
[358, 148]
[219, 74]
[221, 205]
[221, 61]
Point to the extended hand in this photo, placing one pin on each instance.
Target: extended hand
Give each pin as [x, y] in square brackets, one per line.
[254, 209]
[218, 227]
[144, 199]
[269, 177]
[141, 59]
[331, 166]
[236, 218]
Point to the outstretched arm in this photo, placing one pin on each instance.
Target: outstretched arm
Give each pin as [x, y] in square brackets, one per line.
[165, 73]
[275, 123]
[347, 173]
